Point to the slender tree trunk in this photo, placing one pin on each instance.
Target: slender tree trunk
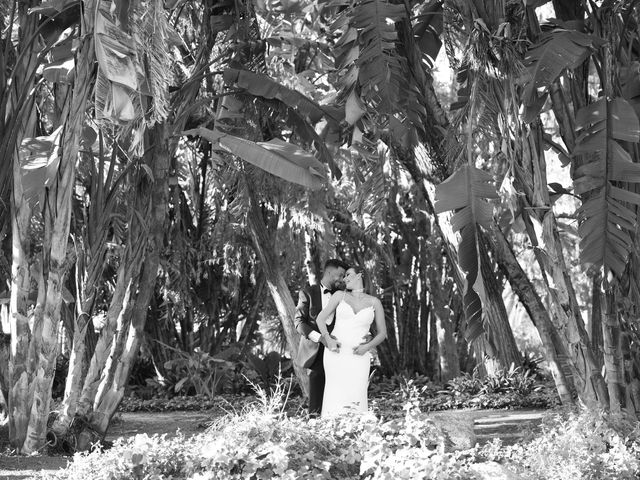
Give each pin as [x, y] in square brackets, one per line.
[91, 248]
[312, 256]
[447, 347]
[278, 288]
[57, 217]
[566, 313]
[424, 347]
[433, 365]
[388, 352]
[612, 353]
[408, 322]
[24, 116]
[126, 271]
[595, 325]
[131, 323]
[562, 369]
[251, 322]
[499, 331]
[19, 372]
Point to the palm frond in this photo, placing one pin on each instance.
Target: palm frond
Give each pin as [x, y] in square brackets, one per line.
[603, 169]
[155, 34]
[466, 193]
[277, 157]
[379, 67]
[372, 190]
[428, 27]
[557, 50]
[366, 54]
[264, 86]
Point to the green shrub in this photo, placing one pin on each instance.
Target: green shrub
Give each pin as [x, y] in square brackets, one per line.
[514, 380]
[575, 446]
[262, 442]
[198, 372]
[465, 384]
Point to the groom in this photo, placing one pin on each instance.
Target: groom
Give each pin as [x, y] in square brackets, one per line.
[311, 301]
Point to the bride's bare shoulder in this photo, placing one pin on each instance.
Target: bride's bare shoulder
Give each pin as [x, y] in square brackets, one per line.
[375, 301]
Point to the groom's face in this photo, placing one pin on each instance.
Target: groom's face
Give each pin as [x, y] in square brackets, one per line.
[336, 278]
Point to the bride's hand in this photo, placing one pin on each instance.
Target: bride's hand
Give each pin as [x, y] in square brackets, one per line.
[331, 343]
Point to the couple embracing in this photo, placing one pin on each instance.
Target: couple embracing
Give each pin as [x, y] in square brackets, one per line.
[336, 343]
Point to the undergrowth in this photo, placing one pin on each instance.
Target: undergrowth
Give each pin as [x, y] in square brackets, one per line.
[263, 441]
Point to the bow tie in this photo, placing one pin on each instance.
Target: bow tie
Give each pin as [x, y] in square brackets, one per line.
[326, 290]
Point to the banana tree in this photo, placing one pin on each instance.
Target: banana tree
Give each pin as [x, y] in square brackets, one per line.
[51, 182]
[600, 140]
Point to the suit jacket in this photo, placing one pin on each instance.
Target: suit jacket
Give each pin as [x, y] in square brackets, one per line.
[309, 305]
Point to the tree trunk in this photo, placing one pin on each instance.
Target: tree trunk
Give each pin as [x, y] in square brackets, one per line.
[91, 248]
[126, 271]
[447, 346]
[251, 323]
[499, 329]
[433, 365]
[562, 369]
[612, 353]
[408, 326]
[278, 288]
[549, 253]
[86, 289]
[19, 371]
[388, 350]
[57, 218]
[424, 346]
[111, 390]
[312, 256]
[595, 325]
[24, 118]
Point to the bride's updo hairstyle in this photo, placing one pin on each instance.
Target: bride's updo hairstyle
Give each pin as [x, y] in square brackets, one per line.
[366, 283]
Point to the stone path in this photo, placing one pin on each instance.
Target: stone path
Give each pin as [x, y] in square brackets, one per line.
[508, 425]
[468, 427]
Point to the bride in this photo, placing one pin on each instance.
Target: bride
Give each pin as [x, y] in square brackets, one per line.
[346, 358]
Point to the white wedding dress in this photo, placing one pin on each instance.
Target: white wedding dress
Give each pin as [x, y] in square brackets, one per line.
[347, 374]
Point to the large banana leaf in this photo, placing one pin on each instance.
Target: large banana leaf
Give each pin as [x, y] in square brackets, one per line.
[305, 111]
[277, 157]
[606, 223]
[557, 50]
[39, 162]
[380, 68]
[466, 192]
[428, 27]
[266, 87]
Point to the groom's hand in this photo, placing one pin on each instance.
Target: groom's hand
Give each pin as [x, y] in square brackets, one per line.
[367, 338]
[323, 340]
[362, 348]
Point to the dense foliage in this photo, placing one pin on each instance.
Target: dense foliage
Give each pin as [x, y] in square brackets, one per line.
[138, 226]
[508, 390]
[263, 442]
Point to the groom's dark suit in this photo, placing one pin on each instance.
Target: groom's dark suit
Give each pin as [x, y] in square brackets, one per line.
[310, 353]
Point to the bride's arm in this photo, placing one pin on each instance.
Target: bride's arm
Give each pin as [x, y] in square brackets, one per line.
[381, 330]
[321, 319]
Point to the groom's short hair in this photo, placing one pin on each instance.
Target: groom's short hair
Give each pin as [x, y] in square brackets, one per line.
[335, 263]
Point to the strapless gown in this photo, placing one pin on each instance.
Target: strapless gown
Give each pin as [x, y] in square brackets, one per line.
[347, 374]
